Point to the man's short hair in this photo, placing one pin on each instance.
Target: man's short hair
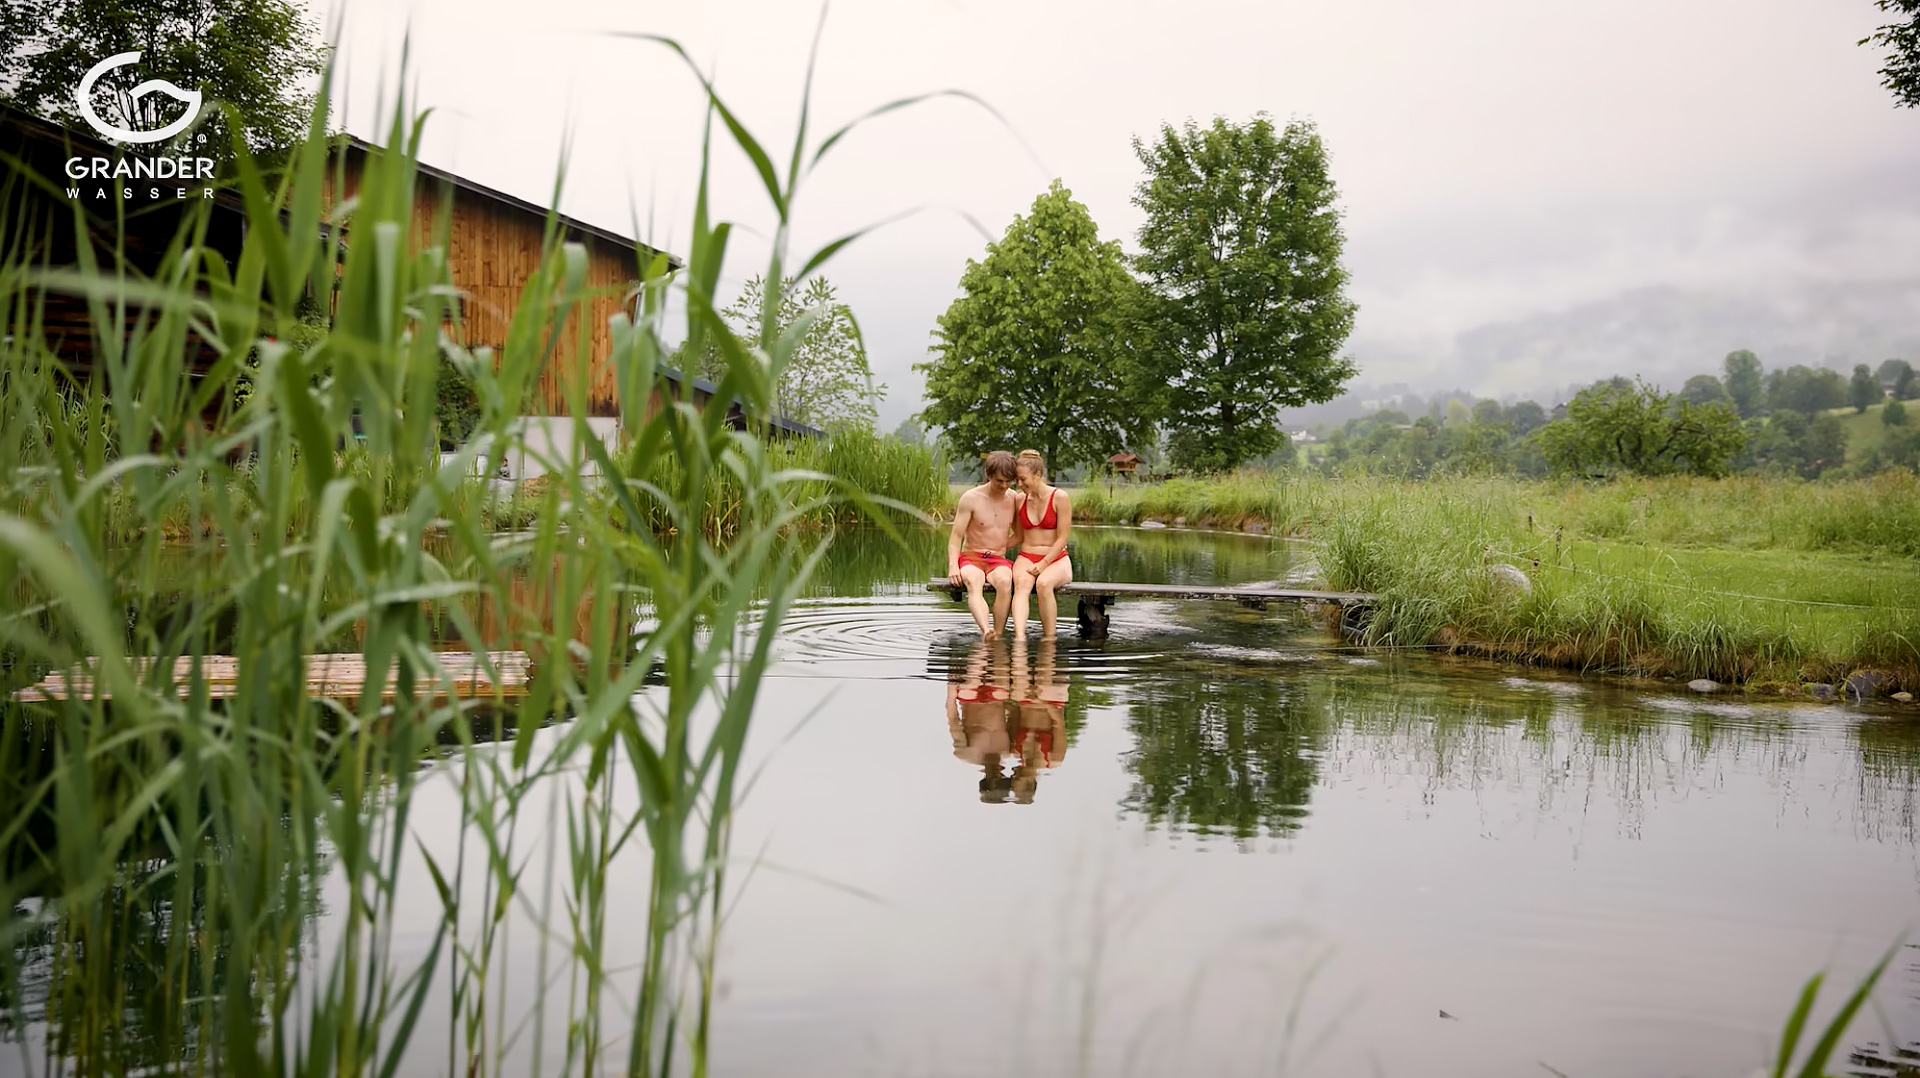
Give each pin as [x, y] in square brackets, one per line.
[1000, 465]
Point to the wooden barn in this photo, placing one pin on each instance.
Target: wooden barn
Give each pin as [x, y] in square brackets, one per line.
[493, 247]
[493, 240]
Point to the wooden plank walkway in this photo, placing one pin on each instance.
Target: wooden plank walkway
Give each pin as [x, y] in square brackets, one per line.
[1095, 596]
[340, 676]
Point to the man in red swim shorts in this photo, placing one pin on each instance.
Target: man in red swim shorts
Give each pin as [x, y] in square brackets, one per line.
[977, 545]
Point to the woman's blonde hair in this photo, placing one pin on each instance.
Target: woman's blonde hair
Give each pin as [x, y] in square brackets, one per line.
[1030, 461]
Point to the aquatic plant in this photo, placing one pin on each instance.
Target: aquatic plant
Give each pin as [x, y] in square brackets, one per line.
[166, 845]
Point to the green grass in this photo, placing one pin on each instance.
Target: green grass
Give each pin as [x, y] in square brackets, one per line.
[1739, 580]
[1866, 431]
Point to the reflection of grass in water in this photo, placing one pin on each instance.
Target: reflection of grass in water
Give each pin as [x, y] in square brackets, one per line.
[1889, 776]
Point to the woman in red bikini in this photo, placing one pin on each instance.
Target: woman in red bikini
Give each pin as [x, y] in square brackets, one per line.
[1043, 518]
[1038, 731]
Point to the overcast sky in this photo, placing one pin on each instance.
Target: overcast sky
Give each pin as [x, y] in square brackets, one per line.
[1538, 175]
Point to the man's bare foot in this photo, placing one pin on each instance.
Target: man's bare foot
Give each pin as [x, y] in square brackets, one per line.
[990, 634]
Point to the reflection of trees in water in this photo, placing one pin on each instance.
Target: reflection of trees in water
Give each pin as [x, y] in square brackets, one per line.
[1226, 750]
[1223, 755]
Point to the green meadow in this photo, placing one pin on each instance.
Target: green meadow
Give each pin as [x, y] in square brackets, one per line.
[1768, 582]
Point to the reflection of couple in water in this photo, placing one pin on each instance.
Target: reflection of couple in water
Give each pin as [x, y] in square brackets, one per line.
[993, 517]
[1000, 706]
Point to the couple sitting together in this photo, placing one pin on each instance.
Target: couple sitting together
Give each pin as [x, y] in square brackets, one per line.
[993, 517]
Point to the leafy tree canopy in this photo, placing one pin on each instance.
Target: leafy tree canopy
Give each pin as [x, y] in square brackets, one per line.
[1901, 39]
[1241, 247]
[1744, 383]
[827, 381]
[1638, 430]
[259, 57]
[1704, 389]
[1804, 389]
[1863, 390]
[1043, 347]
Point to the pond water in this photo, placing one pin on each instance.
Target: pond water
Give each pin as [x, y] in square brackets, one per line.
[1221, 842]
[1224, 841]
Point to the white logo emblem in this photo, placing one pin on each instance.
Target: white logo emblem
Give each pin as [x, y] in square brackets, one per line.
[84, 98]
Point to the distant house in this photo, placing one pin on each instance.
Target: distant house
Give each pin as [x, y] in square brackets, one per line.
[1124, 464]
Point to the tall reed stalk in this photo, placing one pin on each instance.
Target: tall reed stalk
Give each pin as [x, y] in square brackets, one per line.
[166, 852]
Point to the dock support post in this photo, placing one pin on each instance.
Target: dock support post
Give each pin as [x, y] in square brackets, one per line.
[1093, 616]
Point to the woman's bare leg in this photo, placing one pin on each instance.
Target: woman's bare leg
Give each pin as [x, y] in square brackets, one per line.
[1053, 576]
[1002, 580]
[1022, 590]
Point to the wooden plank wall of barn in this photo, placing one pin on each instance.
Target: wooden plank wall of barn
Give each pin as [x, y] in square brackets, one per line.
[493, 249]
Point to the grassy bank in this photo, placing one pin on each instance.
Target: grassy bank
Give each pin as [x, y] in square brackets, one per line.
[1772, 583]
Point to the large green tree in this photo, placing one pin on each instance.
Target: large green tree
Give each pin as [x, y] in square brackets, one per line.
[1863, 390]
[1241, 247]
[1901, 38]
[1043, 347]
[1704, 389]
[1805, 389]
[259, 57]
[1744, 382]
[1612, 429]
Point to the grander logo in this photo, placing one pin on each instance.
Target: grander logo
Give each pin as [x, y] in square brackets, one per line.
[109, 174]
[83, 96]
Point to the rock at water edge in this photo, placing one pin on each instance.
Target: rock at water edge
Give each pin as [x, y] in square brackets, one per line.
[1866, 684]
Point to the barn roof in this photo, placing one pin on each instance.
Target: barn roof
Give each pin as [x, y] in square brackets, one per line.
[518, 203]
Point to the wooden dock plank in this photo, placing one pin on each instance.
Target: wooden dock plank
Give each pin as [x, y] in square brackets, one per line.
[340, 676]
[1095, 595]
[1235, 593]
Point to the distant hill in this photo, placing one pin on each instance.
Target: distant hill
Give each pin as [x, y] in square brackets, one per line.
[1662, 333]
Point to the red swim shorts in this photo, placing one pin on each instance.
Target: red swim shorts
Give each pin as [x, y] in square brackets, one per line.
[986, 562]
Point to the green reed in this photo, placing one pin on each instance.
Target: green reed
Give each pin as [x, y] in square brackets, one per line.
[165, 850]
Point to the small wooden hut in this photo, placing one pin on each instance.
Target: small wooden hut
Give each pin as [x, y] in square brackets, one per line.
[1123, 464]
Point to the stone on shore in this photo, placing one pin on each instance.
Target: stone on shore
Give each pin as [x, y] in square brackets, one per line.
[1701, 684]
[1903, 697]
[1511, 578]
[1821, 691]
[1863, 685]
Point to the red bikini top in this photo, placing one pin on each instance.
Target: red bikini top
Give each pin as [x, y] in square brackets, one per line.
[1048, 520]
